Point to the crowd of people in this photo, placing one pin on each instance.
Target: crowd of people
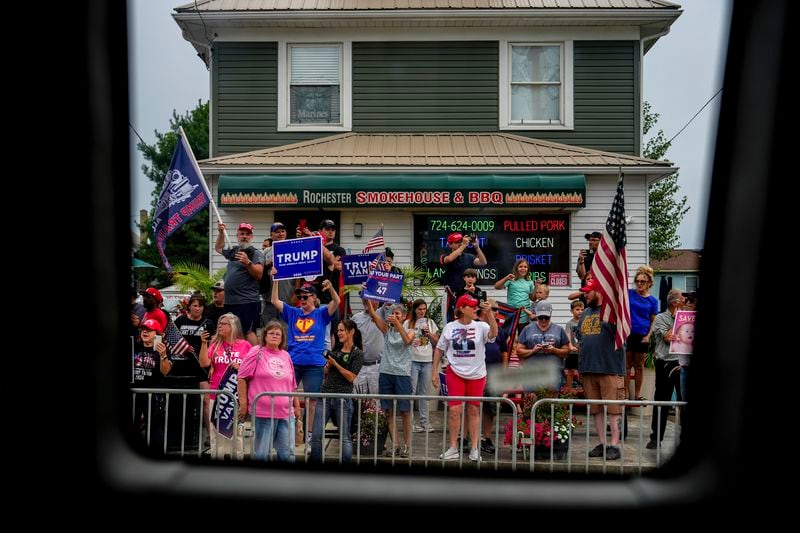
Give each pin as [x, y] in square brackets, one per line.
[267, 335]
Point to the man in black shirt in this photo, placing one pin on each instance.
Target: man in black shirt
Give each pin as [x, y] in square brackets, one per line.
[586, 257]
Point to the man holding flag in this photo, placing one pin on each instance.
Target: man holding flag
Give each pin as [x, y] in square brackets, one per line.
[245, 268]
[603, 327]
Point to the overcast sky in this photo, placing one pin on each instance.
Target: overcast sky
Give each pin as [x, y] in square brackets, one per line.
[681, 72]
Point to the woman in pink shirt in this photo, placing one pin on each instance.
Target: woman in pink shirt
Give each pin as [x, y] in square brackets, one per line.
[268, 368]
[226, 349]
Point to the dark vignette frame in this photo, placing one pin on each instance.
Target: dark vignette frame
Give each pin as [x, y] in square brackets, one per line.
[706, 472]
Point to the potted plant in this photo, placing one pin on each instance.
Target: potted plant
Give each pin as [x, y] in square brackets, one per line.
[373, 430]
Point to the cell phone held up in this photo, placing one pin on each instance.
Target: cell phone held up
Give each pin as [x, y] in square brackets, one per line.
[156, 340]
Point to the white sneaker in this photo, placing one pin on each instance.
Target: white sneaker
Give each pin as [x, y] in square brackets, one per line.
[417, 429]
[474, 455]
[450, 454]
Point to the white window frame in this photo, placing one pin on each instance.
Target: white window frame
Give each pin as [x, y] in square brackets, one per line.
[567, 121]
[345, 88]
[696, 282]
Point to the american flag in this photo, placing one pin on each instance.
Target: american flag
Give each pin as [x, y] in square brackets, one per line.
[610, 269]
[375, 242]
[464, 333]
[177, 344]
[379, 263]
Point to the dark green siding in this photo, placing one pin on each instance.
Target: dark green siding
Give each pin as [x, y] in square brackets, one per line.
[245, 96]
[425, 87]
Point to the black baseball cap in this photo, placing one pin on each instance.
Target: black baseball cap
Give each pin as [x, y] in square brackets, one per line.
[327, 223]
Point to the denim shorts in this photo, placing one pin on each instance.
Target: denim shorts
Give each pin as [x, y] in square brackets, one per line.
[391, 384]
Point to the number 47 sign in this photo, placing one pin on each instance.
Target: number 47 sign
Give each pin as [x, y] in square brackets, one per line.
[383, 286]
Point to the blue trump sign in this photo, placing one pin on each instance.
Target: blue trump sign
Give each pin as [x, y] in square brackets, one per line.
[356, 267]
[298, 258]
[383, 286]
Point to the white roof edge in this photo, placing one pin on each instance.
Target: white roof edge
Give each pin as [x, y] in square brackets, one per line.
[568, 13]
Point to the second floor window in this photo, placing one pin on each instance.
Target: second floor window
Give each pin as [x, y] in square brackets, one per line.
[536, 84]
[315, 73]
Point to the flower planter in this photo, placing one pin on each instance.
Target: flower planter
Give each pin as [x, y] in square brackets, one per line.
[542, 453]
[368, 450]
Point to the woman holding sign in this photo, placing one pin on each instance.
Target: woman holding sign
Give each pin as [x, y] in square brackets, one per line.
[224, 354]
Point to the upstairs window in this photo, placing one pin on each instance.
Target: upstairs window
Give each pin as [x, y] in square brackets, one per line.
[314, 92]
[535, 84]
[314, 85]
[536, 92]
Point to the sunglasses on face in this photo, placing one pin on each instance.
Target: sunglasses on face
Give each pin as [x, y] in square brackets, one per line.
[304, 296]
[542, 318]
[641, 281]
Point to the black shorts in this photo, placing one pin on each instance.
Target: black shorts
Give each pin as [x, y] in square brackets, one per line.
[635, 343]
[249, 315]
[572, 362]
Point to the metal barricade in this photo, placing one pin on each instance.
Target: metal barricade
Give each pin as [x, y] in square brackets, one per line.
[634, 456]
[423, 450]
[563, 449]
[173, 424]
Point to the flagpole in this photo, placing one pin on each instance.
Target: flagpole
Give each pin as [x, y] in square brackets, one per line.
[203, 181]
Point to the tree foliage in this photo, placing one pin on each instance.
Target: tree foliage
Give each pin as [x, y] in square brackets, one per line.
[190, 243]
[666, 207]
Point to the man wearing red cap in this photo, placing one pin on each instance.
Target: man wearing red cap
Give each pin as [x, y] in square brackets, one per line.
[245, 268]
[458, 260]
[463, 342]
[152, 301]
[602, 368]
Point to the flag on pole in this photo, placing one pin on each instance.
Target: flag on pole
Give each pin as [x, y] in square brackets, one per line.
[610, 269]
[375, 242]
[183, 195]
[177, 344]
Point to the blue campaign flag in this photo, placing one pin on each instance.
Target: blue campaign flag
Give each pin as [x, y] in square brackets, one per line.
[356, 267]
[223, 412]
[298, 258]
[183, 195]
[384, 286]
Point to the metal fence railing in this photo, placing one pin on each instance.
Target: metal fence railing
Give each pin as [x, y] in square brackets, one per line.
[171, 422]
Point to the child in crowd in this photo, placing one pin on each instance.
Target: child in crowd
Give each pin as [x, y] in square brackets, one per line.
[470, 278]
[540, 293]
[571, 327]
[519, 288]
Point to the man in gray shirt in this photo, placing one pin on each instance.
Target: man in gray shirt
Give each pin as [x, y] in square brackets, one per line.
[245, 268]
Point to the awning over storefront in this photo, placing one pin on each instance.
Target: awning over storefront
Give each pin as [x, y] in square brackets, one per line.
[402, 190]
